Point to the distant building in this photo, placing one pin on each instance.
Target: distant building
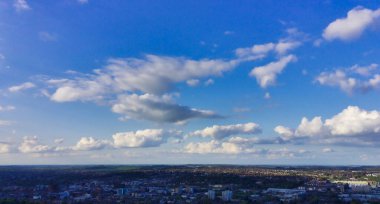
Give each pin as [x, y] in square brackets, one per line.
[189, 189]
[121, 191]
[37, 197]
[211, 194]
[178, 190]
[357, 186]
[64, 195]
[227, 195]
[285, 195]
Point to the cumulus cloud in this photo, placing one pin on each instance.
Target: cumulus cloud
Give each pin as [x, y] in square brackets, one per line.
[267, 75]
[352, 26]
[311, 128]
[353, 79]
[143, 138]
[354, 121]
[250, 141]
[21, 87]
[212, 146]
[157, 108]
[21, 5]
[217, 147]
[133, 139]
[31, 145]
[89, 143]
[220, 132]
[353, 125]
[285, 132]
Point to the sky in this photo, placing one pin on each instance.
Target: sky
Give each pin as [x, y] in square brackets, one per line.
[190, 82]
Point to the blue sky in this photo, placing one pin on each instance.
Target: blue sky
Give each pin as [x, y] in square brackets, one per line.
[165, 82]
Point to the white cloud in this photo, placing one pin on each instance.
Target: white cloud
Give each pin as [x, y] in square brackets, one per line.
[241, 109]
[374, 82]
[267, 95]
[83, 90]
[143, 138]
[262, 50]
[82, 1]
[228, 32]
[294, 39]
[354, 121]
[312, 128]
[192, 82]
[147, 75]
[58, 141]
[157, 108]
[212, 147]
[89, 143]
[338, 78]
[250, 141]
[365, 70]
[47, 36]
[209, 82]
[30, 145]
[283, 47]
[223, 131]
[351, 125]
[4, 148]
[352, 26]
[217, 147]
[21, 87]
[5, 123]
[266, 75]
[255, 52]
[285, 132]
[354, 79]
[6, 108]
[327, 150]
[317, 42]
[21, 5]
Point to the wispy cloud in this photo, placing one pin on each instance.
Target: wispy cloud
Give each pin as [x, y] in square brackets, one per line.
[47, 36]
[21, 5]
[21, 87]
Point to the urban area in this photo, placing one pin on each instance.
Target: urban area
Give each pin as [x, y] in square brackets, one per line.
[189, 184]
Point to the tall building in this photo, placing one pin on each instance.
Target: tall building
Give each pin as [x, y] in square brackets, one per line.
[211, 194]
[227, 195]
